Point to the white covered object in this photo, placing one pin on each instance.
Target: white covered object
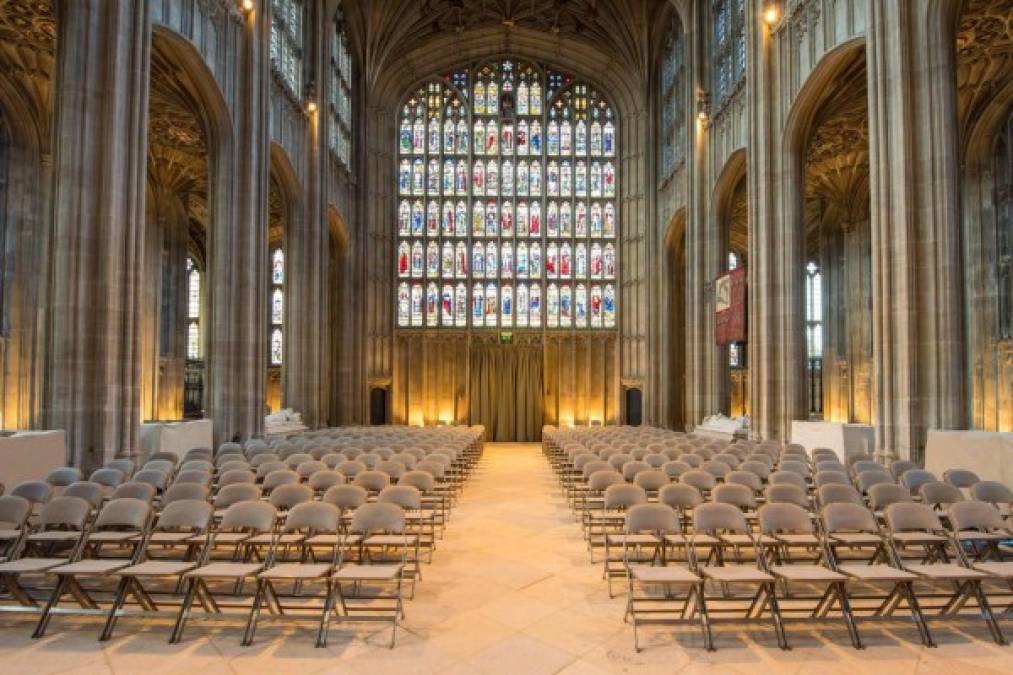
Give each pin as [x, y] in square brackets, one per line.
[987, 453]
[285, 421]
[847, 440]
[175, 437]
[30, 455]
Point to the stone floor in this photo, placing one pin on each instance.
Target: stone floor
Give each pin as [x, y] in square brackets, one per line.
[510, 591]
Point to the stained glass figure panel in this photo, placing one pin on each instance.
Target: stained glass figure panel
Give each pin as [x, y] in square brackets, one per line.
[507, 179]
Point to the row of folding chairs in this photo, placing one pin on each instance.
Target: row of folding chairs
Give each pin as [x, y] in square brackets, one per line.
[968, 532]
[352, 543]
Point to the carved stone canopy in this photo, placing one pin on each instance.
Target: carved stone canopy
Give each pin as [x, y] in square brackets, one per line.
[27, 52]
[984, 56]
[837, 156]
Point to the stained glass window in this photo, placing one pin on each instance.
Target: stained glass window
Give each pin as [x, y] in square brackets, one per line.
[507, 184]
[728, 47]
[673, 100]
[340, 108]
[277, 305]
[814, 336]
[192, 310]
[287, 43]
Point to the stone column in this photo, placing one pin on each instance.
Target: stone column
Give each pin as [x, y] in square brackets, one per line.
[237, 249]
[917, 310]
[308, 252]
[100, 92]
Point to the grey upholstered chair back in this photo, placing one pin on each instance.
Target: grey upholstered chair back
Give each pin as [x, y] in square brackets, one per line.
[913, 479]
[134, 490]
[680, 496]
[35, 491]
[737, 495]
[885, 494]
[14, 512]
[975, 515]
[65, 512]
[651, 479]
[992, 491]
[700, 479]
[405, 496]
[124, 512]
[346, 496]
[64, 476]
[960, 478]
[421, 480]
[276, 479]
[321, 481]
[257, 517]
[378, 517]
[107, 477]
[839, 494]
[319, 517]
[185, 514]
[652, 518]
[849, 517]
[374, 481]
[784, 518]
[601, 480]
[284, 497]
[714, 517]
[938, 493]
[746, 478]
[911, 517]
[623, 496]
[786, 493]
[235, 493]
[92, 493]
[183, 491]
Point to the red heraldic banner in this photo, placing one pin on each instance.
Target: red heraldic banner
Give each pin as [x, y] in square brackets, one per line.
[730, 307]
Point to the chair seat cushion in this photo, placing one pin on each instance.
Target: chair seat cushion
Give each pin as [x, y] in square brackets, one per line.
[945, 571]
[733, 573]
[970, 535]
[390, 540]
[918, 537]
[7, 535]
[798, 539]
[996, 569]
[112, 537]
[876, 572]
[157, 568]
[648, 539]
[55, 535]
[91, 567]
[171, 537]
[857, 538]
[334, 539]
[226, 570]
[672, 574]
[224, 537]
[368, 572]
[296, 571]
[30, 565]
[806, 573]
[266, 539]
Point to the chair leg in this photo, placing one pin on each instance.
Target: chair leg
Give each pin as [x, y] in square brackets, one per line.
[775, 611]
[121, 595]
[986, 612]
[907, 590]
[705, 622]
[849, 618]
[251, 622]
[184, 611]
[325, 618]
[47, 611]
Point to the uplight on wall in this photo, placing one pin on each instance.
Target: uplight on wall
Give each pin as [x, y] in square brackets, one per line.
[247, 5]
[771, 14]
[703, 108]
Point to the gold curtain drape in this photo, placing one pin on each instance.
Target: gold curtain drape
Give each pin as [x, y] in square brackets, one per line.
[506, 392]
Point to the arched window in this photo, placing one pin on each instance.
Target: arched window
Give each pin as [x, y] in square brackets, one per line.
[193, 350]
[277, 307]
[814, 336]
[497, 164]
[673, 100]
[287, 43]
[1004, 229]
[340, 109]
[728, 47]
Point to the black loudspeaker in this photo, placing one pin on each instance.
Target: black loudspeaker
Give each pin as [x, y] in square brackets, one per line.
[634, 407]
[378, 406]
